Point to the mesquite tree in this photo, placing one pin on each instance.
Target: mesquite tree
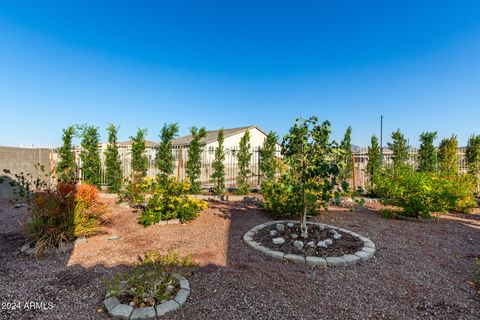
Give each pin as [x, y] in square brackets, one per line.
[243, 158]
[66, 167]
[139, 160]
[193, 166]
[218, 166]
[374, 161]
[267, 161]
[308, 152]
[164, 151]
[346, 157]
[90, 155]
[113, 164]
[447, 156]
[399, 148]
[427, 155]
[472, 156]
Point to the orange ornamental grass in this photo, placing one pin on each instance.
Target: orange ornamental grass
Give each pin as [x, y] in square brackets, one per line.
[63, 213]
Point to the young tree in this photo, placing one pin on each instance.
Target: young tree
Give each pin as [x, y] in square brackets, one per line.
[472, 156]
[243, 158]
[164, 151]
[218, 166]
[139, 162]
[374, 160]
[267, 161]
[308, 152]
[90, 155]
[399, 147]
[427, 155]
[113, 164]
[193, 166]
[66, 167]
[346, 158]
[447, 156]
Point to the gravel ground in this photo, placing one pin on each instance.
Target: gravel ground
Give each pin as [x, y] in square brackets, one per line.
[421, 269]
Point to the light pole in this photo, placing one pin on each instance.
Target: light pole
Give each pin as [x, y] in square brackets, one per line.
[381, 140]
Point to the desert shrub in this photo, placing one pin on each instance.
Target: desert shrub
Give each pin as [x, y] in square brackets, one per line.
[170, 200]
[421, 193]
[88, 211]
[134, 189]
[61, 214]
[150, 282]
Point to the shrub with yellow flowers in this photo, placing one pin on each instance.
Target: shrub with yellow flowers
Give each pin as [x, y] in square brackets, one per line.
[170, 200]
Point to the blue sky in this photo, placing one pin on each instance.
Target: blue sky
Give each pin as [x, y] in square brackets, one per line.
[235, 63]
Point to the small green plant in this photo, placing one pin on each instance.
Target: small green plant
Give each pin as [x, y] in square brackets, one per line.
[346, 169]
[134, 189]
[374, 163]
[67, 168]
[150, 282]
[164, 151]
[427, 155]
[89, 154]
[139, 160]
[170, 200]
[193, 166]
[218, 166]
[113, 169]
[447, 156]
[267, 160]
[243, 158]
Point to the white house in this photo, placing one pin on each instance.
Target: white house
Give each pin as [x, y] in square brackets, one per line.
[232, 138]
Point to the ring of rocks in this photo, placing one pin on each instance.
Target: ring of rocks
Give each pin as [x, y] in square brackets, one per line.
[125, 311]
[364, 254]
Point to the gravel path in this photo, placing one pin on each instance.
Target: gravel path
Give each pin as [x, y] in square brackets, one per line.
[420, 270]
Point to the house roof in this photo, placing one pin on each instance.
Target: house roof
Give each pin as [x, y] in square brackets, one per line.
[212, 135]
[148, 143]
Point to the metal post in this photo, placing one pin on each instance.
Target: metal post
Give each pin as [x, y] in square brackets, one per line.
[381, 140]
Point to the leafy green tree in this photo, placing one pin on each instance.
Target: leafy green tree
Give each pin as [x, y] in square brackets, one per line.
[447, 156]
[472, 156]
[243, 158]
[374, 161]
[267, 161]
[66, 167]
[427, 155]
[193, 166]
[139, 162]
[218, 166]
[113, 164]
[164, 151]
[308, 152]
[347, 156]
[399, 147]
[90, 155]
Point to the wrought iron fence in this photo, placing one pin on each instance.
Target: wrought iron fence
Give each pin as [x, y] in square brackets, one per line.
[361, 159]
[208, 155]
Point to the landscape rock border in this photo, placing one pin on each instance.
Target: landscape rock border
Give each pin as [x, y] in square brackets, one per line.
[367, 252]
[125, 311]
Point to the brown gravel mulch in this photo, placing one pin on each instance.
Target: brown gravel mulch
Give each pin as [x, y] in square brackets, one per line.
[348, 244]
[420, 270]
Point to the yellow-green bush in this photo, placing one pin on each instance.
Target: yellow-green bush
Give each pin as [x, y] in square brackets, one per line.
[170, 200]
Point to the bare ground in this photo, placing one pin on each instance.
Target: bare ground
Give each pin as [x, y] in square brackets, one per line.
[421, 269]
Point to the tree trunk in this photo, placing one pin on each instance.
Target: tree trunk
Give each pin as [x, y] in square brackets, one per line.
[303, 225]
